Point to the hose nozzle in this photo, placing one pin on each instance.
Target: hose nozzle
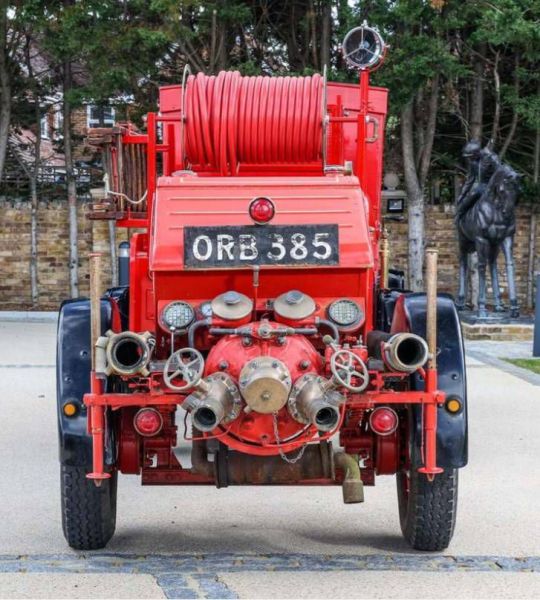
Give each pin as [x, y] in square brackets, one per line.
[405, 352]
[128, 353]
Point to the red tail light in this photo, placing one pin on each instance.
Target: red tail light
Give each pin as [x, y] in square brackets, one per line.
[383, 420]
[148, 422]
[262, 210]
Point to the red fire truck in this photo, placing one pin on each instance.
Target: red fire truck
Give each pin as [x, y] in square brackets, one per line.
[261, 322]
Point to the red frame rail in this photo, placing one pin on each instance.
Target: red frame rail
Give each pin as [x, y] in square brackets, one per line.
[96, 401]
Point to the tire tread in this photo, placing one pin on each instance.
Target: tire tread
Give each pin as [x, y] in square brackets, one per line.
[429, 519]
[88, 511]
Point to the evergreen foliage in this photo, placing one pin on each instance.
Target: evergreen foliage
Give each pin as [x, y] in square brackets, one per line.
[122, 50]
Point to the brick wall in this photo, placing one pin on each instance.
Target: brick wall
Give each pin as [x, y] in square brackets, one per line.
[81, 151]
[53, 250]
[79, 121]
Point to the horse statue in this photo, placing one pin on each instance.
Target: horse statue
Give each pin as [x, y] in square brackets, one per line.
[486, 227]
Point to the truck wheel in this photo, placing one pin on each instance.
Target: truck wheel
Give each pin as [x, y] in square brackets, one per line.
[427, 509]
[88, 512]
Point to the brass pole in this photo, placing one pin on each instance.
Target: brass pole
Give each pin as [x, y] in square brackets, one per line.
[431, 310]
[95, 303]
[385, 259]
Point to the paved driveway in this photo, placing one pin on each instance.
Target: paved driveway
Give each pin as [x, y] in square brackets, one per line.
[266, 542]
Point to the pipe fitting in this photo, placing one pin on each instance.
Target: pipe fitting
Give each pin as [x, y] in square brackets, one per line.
[100, 353]
[215, 401]
[328, 324]
[352, 486]
[405, 352]
[265, 383]
[313, 400]
[128, 353]
[194, 327]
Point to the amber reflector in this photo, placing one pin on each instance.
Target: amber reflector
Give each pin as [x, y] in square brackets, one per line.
[453, 405]
[70, 409]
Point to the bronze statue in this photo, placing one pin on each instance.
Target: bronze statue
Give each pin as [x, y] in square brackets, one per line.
[485, 220]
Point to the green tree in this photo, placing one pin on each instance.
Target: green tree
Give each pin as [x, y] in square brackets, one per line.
[419, 62]
[29, 113]
[456, 71]
[56, 27]
[11, 77]
[512, 29]
[98, 50]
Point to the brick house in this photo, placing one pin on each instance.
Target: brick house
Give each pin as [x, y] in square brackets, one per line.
[14, 183]
[82, 118]
[21, 141]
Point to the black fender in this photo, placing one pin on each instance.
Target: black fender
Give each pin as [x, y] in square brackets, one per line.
[396, 279]
[120, 295]
[73, 366]
[387, 298]
[385, 308]
[409, 314]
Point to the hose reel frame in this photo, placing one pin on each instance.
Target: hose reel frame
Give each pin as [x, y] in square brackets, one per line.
[228, 120]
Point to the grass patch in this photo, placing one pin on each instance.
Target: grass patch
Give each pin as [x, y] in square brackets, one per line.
[531, 364]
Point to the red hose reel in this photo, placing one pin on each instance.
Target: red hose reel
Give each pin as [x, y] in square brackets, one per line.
[230, 119]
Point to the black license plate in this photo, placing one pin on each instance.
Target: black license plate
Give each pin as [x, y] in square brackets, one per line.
[290, 245]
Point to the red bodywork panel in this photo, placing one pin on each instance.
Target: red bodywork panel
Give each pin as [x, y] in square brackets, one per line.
[190, 201]
[186, 201]
[348, 96]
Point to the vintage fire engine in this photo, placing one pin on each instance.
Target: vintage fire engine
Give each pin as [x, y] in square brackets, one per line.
[261, 323]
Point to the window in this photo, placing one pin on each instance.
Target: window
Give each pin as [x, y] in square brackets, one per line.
[58, 124]
[45, 127]
[99, 116]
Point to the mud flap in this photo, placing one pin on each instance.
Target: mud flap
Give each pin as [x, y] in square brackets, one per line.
[409, 314]
[73, 364]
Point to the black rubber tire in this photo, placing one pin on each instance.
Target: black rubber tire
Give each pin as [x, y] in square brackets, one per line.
[88, 511]
[427, 509]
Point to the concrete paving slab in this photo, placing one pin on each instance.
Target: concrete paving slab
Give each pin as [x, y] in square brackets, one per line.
[474, 362]
[61, 585]
[384, 585]
[28, 316]
[504, 365]
[25, 344]
[515, 349]
[495, 353]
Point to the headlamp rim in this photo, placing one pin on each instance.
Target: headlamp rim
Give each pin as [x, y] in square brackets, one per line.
[167, 327]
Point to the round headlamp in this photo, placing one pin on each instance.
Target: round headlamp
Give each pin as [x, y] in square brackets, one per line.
[345, 313]
[176, 315]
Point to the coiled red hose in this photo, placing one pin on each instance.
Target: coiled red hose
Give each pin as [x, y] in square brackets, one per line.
[230, 119]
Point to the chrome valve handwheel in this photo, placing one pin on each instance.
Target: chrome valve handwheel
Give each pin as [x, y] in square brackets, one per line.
[185, 365]
[348, 368]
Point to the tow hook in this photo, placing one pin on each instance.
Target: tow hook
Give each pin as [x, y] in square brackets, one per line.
[352, 486]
